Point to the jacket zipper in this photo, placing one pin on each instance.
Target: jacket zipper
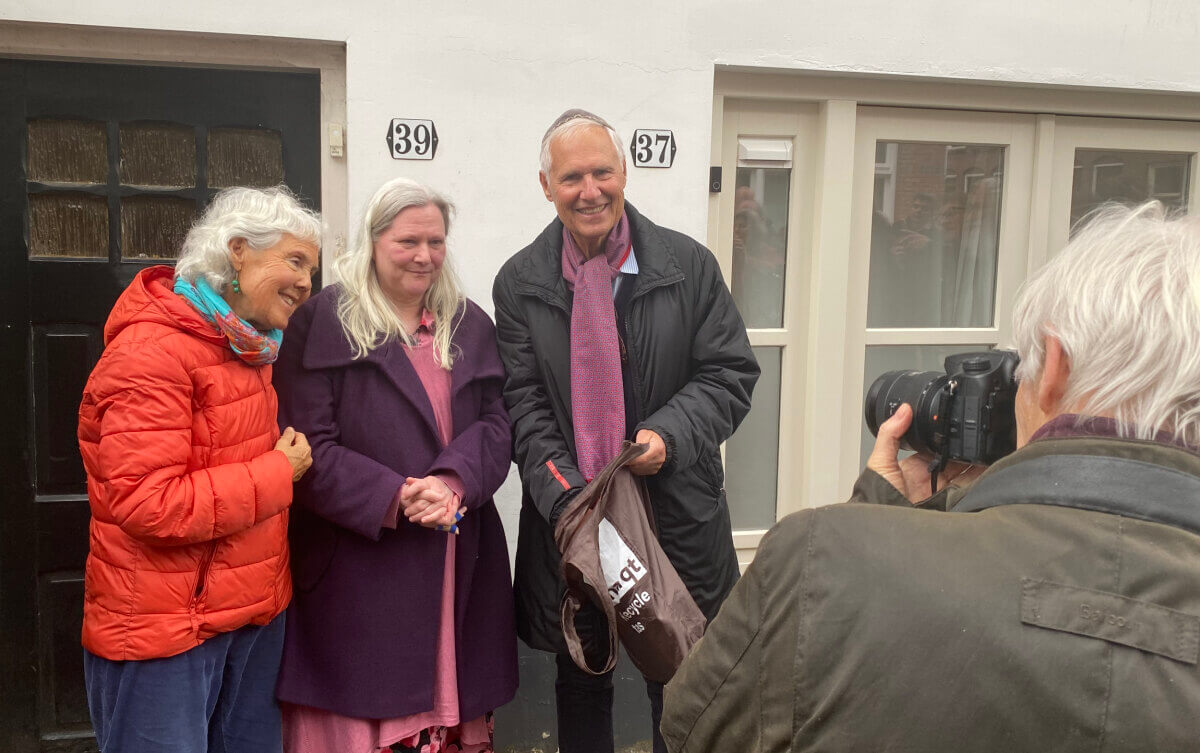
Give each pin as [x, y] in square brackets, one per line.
[628, 355]
[202, 575]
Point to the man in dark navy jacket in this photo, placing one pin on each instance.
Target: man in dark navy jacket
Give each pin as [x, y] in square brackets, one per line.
[614, 328]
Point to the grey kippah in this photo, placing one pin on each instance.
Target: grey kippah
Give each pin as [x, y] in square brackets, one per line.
[574, 113]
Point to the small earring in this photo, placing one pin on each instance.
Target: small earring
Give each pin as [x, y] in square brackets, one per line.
[237, 288]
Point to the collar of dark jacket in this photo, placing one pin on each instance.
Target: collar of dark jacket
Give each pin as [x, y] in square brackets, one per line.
[326, 347]
[541, 274]
[1129, 477]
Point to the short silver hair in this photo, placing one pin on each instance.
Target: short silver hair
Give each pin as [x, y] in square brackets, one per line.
[569, 122]
[261, 216]
[367, 316]
[1123, 298]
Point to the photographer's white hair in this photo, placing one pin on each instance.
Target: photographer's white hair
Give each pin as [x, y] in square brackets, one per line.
[568, 123]
[1123, 298]
[259, 215]
[366, 314]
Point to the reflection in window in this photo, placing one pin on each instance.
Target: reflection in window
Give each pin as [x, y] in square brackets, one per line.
[1128, 177]
[935, 235]
[759, 244]
[67, 151]
[752, 454]
[244, 157]
[153, 227]
[68, 224]
[884, 358]
[158, 155]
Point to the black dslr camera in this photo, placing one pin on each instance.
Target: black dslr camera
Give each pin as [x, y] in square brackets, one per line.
[966, 414]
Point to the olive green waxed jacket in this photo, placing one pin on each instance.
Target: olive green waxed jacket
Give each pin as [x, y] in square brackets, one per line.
[1052, 606]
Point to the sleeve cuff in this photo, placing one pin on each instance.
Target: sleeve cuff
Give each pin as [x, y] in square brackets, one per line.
[272, 475]
[668, 466]
[453, 482]
[558, 487]
[873, 489]
[391, 518]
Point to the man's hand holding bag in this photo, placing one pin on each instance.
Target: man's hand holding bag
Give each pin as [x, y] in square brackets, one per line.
[611, 557]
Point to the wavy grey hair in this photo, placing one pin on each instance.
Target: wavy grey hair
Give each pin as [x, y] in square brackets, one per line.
[569, 122]
[366, 314]
[1123, 298]
[259, 215]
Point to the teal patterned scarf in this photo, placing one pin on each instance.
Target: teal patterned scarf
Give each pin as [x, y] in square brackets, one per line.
[252, 345]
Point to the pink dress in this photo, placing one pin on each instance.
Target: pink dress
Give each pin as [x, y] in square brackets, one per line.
[311, 730]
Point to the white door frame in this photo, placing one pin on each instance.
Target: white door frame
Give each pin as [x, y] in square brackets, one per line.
[798, 123]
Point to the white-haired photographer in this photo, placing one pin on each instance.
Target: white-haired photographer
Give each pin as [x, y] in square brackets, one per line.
[1049, 605]
[1114, 320]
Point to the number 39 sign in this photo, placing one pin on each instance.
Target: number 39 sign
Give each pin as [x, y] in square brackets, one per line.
[652, 148]
[412, 139]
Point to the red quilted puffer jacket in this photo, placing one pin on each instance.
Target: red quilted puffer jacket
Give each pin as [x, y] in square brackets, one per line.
[189, 499]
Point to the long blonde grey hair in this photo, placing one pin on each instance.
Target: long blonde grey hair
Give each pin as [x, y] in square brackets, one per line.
[366, 314]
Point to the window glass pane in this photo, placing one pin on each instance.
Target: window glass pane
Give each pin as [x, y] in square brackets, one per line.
[1128, 178]
[158, 155]
[153, 227]
[67, 151]
[759, 243]
[884, 358]
[68, 224]
[752, 454]
[935, 230]
[244, 157]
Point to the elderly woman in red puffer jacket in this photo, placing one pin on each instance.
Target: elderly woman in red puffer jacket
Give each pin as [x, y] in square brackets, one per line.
[190, 482]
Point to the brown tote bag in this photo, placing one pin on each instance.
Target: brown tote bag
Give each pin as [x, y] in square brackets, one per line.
[612, 558]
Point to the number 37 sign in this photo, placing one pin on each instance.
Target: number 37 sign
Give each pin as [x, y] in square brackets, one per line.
[412, 139]
[652, 148]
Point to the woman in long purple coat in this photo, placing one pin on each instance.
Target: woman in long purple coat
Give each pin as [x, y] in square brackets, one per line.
[400, 634]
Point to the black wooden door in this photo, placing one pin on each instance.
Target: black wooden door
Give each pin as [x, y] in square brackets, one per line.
[102, 169]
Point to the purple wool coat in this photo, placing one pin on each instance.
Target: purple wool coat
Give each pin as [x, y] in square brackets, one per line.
[363, 623]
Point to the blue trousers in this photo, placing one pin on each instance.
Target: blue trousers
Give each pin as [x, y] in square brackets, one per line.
[219, 697]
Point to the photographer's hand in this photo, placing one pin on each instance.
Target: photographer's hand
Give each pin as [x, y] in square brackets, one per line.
[910, 476]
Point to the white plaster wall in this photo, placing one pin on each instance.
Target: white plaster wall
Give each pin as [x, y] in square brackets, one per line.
[493, 75]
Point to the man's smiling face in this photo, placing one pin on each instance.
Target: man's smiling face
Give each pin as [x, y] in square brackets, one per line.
[586, 184]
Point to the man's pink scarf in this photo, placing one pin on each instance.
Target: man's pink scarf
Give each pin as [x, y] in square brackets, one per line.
[597, 392]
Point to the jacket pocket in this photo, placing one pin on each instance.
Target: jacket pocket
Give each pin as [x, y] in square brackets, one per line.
[712, 472]
[313, 544]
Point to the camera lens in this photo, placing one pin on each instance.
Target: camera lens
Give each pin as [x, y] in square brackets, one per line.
[922, 390]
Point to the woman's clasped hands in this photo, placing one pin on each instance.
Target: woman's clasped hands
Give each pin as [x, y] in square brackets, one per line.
[431, 503]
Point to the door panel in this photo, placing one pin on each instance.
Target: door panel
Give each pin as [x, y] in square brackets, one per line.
[102, 169]
[939, 245]
[61, 357]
